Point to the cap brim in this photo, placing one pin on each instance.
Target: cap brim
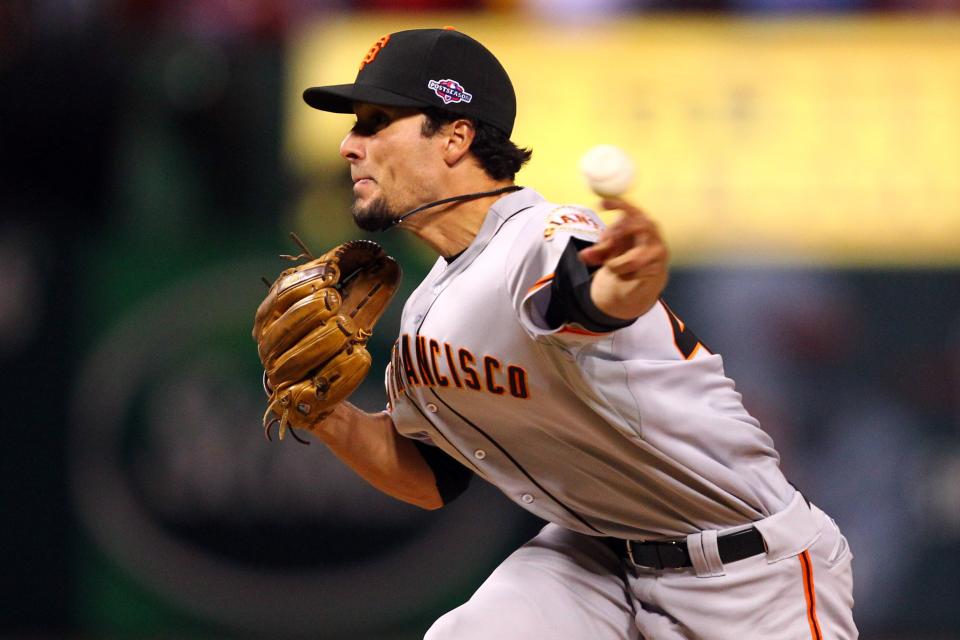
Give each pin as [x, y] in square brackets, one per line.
[339, 98]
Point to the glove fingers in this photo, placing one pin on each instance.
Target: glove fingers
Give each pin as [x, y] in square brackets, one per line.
[291, 286]
[296, 322]
[295, 406]
[297, 283]
[370, 291]
[336, 381]
[312, 352]
[265, 312]
[308, 401]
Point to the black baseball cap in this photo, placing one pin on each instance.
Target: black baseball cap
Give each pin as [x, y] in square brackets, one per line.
[427, 68]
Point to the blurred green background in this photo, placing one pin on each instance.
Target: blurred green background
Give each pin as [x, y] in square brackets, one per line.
[803, 158]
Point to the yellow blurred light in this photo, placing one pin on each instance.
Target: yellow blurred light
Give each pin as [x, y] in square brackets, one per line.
[833, 141]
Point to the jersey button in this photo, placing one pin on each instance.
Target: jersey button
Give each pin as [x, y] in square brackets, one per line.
[432, 408]
[418, 317]
[526, 498]
[479, 454]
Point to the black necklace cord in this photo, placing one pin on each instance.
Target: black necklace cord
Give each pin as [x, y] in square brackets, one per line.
[463, 198]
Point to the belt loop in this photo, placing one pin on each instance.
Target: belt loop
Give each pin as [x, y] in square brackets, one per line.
[697, 559]
[712, 552]
[789, 531]
[705, 554]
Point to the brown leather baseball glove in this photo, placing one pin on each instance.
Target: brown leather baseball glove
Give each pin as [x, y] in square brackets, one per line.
[312, 329]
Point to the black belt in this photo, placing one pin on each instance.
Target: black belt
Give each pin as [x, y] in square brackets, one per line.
[674, 554]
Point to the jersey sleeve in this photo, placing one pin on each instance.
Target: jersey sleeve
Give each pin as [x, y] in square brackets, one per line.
[452, 477]
[570, 299]
[548, 284]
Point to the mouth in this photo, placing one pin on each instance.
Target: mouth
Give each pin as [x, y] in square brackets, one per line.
[361, 181]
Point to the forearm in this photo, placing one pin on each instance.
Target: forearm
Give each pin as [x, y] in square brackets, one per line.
[369, 444]
[626, 298]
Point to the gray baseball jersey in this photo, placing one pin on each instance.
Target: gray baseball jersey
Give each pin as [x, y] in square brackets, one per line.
[635, 433]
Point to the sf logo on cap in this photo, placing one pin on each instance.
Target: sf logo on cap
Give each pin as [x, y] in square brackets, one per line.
[374, 50]
[449, 91]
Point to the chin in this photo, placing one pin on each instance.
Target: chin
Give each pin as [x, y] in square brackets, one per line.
[373, 215]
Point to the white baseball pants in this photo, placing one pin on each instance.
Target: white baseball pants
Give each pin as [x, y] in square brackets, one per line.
[568, 586]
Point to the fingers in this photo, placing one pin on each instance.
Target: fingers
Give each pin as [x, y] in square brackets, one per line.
[632, 229]
[633, 220]
[611, 204]
[609, 245]
[639, 261]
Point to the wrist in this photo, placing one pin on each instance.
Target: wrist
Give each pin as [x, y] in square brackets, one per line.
[624, 300]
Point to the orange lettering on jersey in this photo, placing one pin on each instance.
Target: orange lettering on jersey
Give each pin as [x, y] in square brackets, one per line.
[517, 379]
[423, 364]
[374, 50]
[434, 350]
[473, 380]
[396, 364]
[570, 219]
[490, 366]
[425, 367]
[408, 369]
[451, 365]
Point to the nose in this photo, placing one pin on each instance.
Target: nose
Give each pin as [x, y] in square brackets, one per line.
[351, 147]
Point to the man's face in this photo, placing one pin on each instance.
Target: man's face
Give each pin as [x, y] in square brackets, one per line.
[393, 166]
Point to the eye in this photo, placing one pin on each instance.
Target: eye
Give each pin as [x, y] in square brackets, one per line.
[370, 124]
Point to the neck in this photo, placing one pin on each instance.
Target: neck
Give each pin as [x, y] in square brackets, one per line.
[449, 229]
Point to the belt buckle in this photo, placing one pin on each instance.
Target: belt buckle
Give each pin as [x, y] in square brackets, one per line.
[641, 558]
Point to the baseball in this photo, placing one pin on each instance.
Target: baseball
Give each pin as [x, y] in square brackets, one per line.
[608, 170]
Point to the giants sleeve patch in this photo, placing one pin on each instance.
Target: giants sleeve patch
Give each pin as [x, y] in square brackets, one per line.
[576, 221]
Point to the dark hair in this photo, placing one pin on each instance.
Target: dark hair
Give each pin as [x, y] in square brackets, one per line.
[495, 152]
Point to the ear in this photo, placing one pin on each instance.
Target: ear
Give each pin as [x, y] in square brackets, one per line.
[458, 137]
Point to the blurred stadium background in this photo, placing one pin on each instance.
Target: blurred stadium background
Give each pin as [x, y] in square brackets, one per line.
[803, 158]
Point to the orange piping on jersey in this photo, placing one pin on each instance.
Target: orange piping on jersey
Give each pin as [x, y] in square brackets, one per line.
[539, 283]
[582, 332]
[679, 329]
[806, 568]
[672, 315]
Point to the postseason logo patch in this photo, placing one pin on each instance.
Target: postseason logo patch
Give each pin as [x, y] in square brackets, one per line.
[449, 91]
[573, 220]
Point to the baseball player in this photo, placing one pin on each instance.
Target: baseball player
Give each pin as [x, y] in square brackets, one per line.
[539, 355]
